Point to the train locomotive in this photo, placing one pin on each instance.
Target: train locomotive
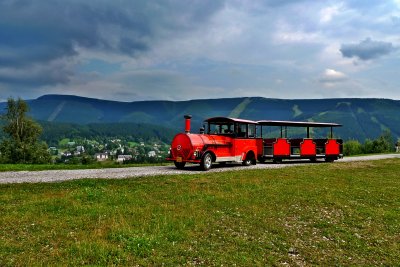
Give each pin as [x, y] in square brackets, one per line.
[225, 139]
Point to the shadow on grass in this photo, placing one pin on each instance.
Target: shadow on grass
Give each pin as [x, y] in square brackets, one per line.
[221, 166]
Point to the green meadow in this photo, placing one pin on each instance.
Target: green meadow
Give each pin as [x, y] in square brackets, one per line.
[95, 165]
[323, 214]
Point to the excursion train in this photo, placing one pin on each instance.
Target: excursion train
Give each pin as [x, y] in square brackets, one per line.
[224, 139]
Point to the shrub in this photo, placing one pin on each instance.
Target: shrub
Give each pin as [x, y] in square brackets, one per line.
[352, 147]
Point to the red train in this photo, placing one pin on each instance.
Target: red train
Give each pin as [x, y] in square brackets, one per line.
[236, 140]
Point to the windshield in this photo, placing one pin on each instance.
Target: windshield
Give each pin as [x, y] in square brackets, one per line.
[240, 130]
[220, 128]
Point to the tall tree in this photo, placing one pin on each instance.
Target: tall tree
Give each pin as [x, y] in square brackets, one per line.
[22, 143]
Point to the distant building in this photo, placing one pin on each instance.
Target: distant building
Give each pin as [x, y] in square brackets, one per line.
[101, 156]
[67, 154]
[122, 158]
[151, 154]
[80, 149]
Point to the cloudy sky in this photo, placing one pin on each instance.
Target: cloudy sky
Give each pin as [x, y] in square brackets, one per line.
[177, 50]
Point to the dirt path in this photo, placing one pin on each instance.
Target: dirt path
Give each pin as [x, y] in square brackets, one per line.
[118, 173]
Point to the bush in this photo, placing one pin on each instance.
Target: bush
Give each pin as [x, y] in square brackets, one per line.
[352, 147]
[383, 144]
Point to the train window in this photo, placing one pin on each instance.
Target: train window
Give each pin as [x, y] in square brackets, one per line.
[241, 130]
[220, 128]
[226, 128]
[252, 131]
[213, 128]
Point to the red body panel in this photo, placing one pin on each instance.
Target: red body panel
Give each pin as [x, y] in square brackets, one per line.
[308, 148]
[332, 147]
[281, 147]
[242, 146]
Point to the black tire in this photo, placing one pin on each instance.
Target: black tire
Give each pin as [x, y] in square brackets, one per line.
[329, 159]
[206, 161]
[246, 162]
[180, 165]
[249, 159]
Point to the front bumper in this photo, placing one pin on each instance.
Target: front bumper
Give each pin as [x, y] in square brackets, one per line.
[184, 160]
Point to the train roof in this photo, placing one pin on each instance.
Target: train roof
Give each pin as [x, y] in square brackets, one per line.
[297, 123]
[274, 123]
[227, 119]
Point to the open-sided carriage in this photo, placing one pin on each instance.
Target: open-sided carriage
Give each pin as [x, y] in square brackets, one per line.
[226, 139]
[282, 147]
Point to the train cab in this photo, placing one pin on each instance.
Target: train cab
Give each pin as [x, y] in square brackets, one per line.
[222, 140]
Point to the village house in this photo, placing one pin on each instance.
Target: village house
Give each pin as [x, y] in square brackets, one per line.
[67, 154]
[101, 156]
[122, 158]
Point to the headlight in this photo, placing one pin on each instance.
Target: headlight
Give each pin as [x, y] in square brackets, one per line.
[196, 154]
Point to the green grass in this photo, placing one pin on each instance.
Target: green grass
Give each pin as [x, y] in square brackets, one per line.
[325, 214]
[96, 165]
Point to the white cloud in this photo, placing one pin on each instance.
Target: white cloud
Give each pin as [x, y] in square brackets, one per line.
[287, 33]
[327, 13]
[331, 77]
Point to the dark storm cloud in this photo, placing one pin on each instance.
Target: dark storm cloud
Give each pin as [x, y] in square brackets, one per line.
[40, 32]
[367, 49]
[37, 75]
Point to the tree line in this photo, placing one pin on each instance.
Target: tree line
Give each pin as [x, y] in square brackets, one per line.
[383, 144]
[54, 132]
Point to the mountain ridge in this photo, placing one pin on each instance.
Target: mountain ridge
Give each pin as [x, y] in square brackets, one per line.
[361, 117]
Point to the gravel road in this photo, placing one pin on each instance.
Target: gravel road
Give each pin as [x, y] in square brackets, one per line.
[118, 173]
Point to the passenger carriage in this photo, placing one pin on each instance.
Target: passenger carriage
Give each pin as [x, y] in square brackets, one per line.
[282, 147]
[223, 140]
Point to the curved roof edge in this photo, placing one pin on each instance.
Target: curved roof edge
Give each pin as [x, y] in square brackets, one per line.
[297, 123]
[227, 119]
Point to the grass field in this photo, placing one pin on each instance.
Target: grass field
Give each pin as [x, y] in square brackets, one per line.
[95, 165]
[324, 214]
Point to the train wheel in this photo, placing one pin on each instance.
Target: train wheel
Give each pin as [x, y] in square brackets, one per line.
[277, 161]
[179, 165]
[246, 162]
[249, 159]
[329, 159]
[206, 162]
